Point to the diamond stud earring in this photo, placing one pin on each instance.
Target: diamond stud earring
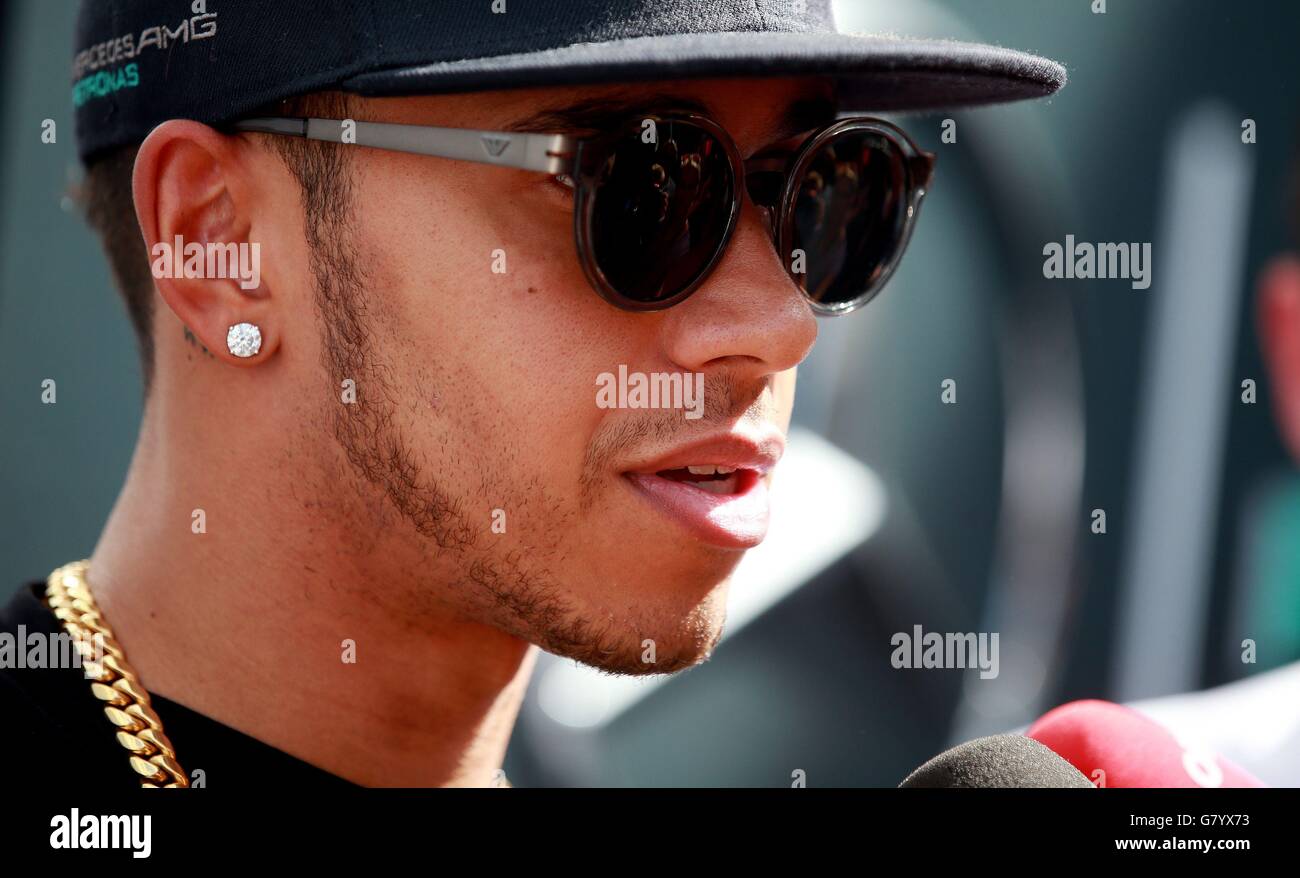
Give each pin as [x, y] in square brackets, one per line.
[244, 339]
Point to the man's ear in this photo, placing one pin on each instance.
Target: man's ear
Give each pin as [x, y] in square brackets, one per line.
[192, 199]
[1279, 330]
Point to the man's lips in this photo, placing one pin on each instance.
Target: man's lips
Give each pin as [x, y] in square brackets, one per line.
[716, 489]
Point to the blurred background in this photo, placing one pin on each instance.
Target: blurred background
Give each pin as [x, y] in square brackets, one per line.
[894, 509]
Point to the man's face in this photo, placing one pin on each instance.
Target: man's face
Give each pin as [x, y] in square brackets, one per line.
[476, 458]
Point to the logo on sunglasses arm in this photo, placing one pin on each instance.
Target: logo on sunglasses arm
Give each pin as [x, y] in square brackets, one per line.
[495, 144]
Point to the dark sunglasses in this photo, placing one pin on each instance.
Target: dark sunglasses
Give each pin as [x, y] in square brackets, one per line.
[657, 200]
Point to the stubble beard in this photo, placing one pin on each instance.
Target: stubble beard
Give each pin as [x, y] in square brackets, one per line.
[465, 564]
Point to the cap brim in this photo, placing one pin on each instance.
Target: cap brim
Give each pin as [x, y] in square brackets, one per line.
[874, 73]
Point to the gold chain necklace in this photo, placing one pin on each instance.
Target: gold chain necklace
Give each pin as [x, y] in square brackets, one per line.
[139, 730]
[114, 681]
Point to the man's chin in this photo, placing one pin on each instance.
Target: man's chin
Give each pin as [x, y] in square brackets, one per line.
[659, 622]
[632, 663]
[662, 648]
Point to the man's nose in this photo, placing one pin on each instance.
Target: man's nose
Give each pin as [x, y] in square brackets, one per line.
[748, 314]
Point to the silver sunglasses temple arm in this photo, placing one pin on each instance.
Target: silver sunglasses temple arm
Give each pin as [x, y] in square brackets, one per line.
[547, 153]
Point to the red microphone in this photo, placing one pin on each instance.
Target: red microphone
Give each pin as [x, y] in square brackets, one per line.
[1115, 746]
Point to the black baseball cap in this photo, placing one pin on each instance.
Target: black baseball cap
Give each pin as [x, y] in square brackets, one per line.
[141, 62]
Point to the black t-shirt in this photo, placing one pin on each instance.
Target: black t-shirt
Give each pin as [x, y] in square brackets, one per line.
[53, 730]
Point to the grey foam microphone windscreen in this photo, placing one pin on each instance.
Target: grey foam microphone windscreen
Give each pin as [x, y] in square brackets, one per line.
[998, 761]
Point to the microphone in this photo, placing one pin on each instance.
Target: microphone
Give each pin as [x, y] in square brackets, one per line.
[1115, 746]
[997, 761]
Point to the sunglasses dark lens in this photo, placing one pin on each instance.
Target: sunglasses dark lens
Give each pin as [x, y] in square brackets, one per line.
[849, 217]
[661, 211]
